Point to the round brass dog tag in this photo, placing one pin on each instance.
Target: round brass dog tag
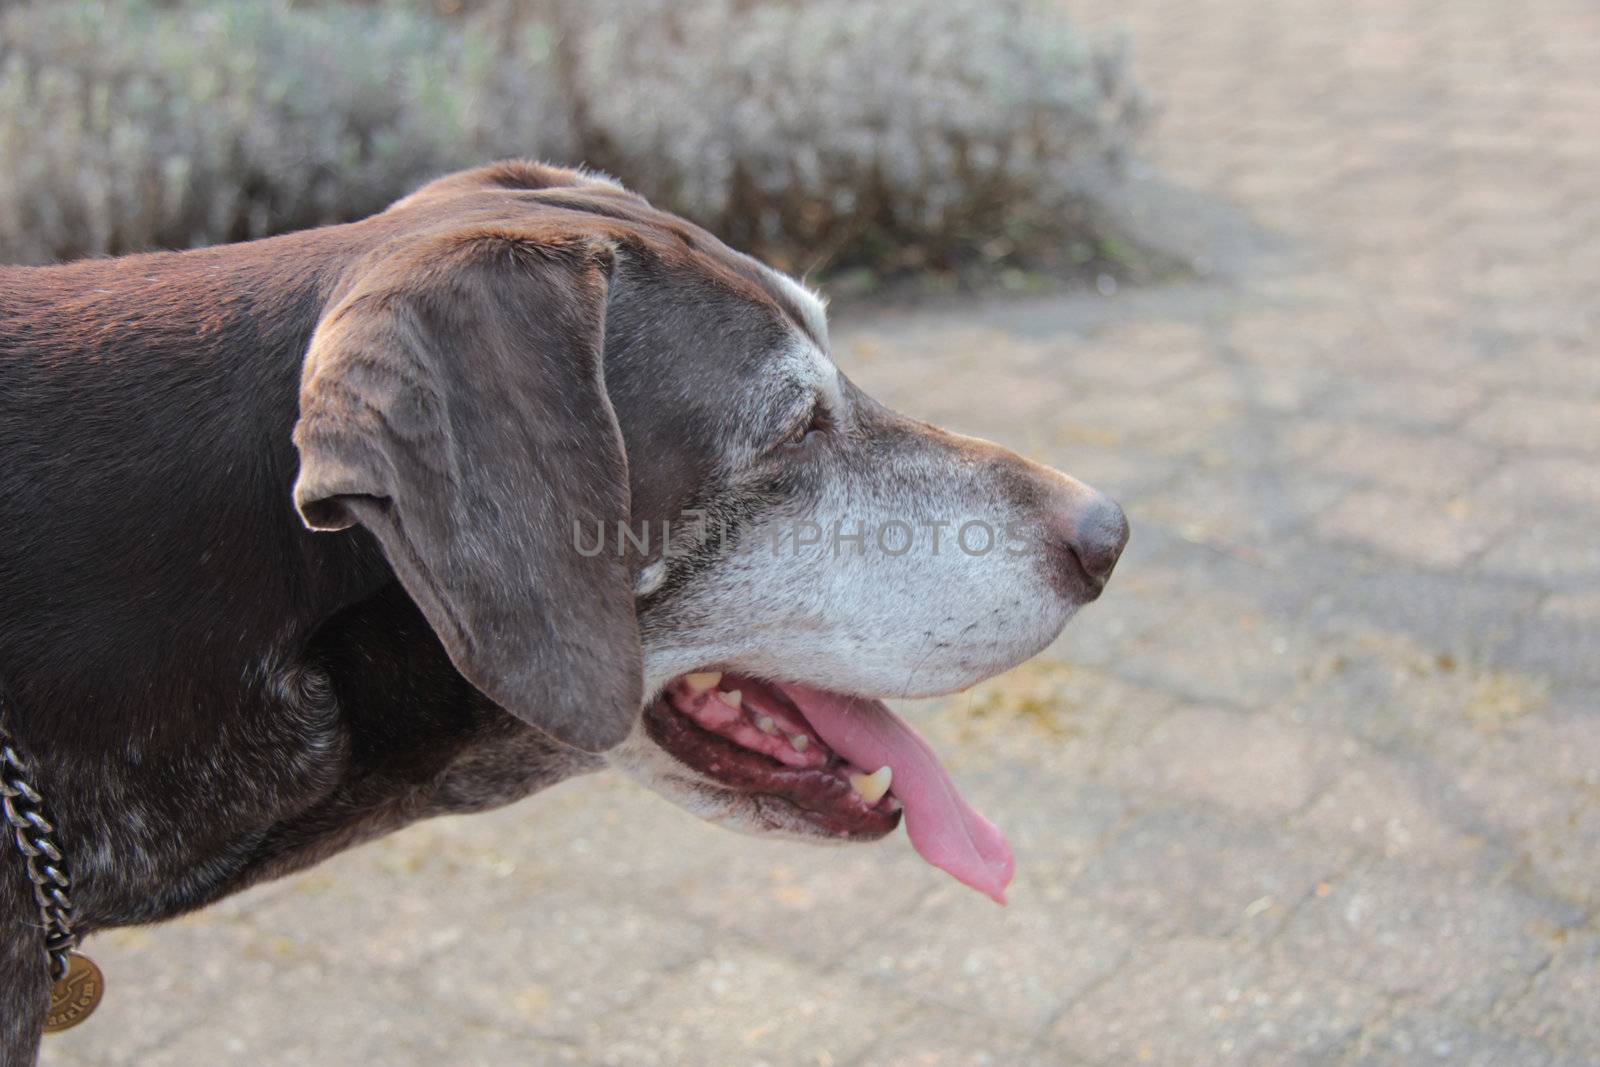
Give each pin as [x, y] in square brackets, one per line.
[74, 998]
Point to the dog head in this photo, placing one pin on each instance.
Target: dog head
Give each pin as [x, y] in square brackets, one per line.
[616, 467]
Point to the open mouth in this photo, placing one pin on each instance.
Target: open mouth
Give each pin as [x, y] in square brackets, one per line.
[847, 765]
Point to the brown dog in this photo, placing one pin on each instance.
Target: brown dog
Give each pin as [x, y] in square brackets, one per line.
[305, 539]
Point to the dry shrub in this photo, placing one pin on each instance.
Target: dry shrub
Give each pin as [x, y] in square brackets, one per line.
[131, 125]
[886, 133]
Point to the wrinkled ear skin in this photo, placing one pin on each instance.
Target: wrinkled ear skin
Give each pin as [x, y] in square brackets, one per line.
[453, 402]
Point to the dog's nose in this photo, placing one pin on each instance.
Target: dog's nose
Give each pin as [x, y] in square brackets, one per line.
[1092, 531]
[1102, 535]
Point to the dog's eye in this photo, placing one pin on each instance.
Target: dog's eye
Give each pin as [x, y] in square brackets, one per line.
[815, 423]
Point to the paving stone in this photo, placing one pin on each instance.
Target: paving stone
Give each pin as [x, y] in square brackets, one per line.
[253, 999]
[1015, 966]
[1561, 1006]
[1162, 352]
[1557, 647]
[550, 964]
[1310, 334]
[747, 1007]
[1246, 389]
[1195, 1000]
[1450, 940]
[319, 1022]
[1235, 644]
[1135, 419]
[328, 911]
[1391, 809]
[1534, 781]
[1187, 869]
[792, 901]
[1418, 530]
[1540, 483]
[606, 829]
[1553, 367]
[1226, 654]
[1059, 831]
[1579, 606]
[1557, 551]
[161, 983]
[1255, 764]
[938, 1037]
[1533, 421]
[1051, 714]
[1415, 1039]
[1234, 507]
[1470, 618]
[1424, 466]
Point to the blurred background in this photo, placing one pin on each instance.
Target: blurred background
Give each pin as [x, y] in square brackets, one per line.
[1310, 288]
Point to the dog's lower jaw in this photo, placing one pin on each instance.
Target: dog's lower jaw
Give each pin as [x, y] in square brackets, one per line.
[785, 758]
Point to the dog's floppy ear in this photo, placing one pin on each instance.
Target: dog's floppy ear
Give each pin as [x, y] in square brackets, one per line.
[453, 402]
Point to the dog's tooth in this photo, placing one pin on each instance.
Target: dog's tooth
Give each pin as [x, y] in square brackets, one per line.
[799, 741]
[765, 724]
[872, 787]
[702, 681]
[733, 698]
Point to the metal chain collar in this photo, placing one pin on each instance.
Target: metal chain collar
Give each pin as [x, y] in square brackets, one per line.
[23, 808]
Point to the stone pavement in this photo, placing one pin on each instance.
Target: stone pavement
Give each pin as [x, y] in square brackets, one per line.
[1317, 782]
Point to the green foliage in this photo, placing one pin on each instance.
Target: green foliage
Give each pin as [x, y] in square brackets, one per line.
[887, 133]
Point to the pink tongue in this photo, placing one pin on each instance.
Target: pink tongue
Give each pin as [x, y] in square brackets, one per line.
[943, 827]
